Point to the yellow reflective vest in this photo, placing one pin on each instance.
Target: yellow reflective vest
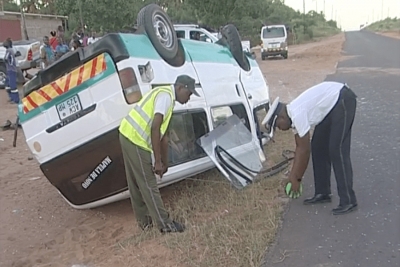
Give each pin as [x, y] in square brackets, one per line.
[136, 126]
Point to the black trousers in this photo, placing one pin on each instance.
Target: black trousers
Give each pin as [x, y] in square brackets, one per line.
[330, 146]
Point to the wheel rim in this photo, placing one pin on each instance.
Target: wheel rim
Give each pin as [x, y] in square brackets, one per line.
[2, 78]
[163, 31]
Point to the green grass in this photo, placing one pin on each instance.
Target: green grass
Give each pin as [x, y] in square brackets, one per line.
[226, 227]
[387, 24]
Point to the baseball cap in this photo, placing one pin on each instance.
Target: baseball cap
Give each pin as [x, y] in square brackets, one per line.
[270, 119]
[188, 82]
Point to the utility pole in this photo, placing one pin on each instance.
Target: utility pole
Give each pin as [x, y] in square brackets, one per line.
[304, 16]
[23, 21]
[382, 11]
[332, 13]
[80, 15]
[324, 10]
[316, 6]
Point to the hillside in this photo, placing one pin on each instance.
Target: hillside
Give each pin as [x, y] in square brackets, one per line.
[388, 24]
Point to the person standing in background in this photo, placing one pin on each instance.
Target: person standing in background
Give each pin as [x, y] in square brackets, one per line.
[53, 40]
[76, 43]
[11, 67]
[46, 53]
[85, 39]
[60, 33]
[61, 48]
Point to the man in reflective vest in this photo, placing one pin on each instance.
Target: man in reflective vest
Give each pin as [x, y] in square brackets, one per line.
[142, 133]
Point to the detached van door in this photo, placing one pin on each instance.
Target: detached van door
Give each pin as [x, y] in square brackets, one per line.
[235, 151]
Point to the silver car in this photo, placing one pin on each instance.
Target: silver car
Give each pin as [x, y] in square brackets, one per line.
[27, 55]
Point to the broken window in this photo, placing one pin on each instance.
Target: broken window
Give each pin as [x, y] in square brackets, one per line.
[220, 114]
[184, 130]
[259, 114]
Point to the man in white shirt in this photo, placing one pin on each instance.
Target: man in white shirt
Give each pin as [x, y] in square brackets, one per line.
[330, 107]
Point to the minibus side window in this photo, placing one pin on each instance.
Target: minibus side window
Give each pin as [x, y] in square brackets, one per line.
[220, 114]
[184, 130]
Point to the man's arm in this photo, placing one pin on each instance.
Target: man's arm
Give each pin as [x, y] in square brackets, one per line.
[155, 136]
[164, 149]
[302, 155]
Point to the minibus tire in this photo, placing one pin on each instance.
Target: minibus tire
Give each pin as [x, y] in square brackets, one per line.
[145, 20]
[139, 20]
[231, 35]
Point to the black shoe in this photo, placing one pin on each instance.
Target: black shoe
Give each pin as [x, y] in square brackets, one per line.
[173, 228]
[317, 199]
[344, 209]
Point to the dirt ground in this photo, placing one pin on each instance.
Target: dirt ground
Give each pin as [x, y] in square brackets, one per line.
[393, 34]
[40, 229]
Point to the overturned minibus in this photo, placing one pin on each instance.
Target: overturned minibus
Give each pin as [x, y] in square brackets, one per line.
[71, 110]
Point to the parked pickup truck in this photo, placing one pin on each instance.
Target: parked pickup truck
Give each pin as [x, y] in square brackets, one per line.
[187, 31]
[28, 58]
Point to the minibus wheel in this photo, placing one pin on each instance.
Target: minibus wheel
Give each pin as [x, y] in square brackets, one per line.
[159, 29]
[231, 35]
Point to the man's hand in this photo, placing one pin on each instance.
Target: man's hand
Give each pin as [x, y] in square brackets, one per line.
[165, 169]
[295, 185]
[294, 189]
[158, 168]
[302, 154]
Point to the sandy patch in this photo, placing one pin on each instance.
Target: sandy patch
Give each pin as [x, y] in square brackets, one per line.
[392, 34]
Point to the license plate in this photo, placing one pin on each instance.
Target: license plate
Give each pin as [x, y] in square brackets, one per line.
[69, 107]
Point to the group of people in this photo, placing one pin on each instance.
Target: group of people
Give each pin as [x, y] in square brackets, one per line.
[55, 47]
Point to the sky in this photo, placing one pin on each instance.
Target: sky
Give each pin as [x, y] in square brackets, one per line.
[350, 14]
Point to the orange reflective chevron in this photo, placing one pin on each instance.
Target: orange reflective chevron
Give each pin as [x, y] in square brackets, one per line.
[76, 77]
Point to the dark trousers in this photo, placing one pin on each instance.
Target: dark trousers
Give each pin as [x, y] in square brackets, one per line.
[11, 82]
[330, 146]
[142, 183]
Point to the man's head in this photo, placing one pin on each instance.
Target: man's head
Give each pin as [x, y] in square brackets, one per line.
[184, 88]
[53, 33]
[277, 116]
[46, 40]
[7, 43]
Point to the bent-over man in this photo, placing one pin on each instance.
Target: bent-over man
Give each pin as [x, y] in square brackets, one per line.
[331, 108]
[142, 133]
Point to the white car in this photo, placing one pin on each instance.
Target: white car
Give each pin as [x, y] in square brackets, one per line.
[195, 32]
[274, 41]
[71, 111]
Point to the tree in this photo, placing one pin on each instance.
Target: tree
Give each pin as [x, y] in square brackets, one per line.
[10, 5]
[248, 16]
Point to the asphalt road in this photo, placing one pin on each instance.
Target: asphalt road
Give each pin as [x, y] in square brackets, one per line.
[369, 237]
